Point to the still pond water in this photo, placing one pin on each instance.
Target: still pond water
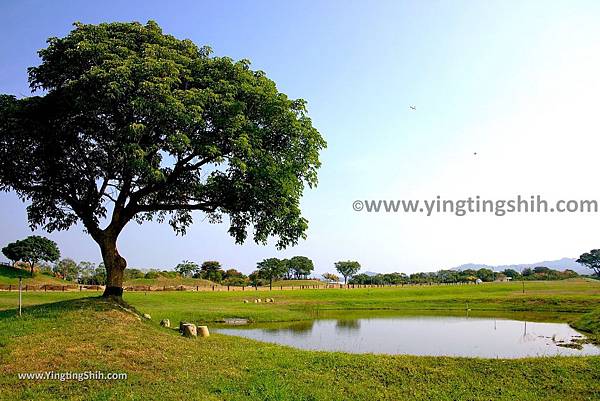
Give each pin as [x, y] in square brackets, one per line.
[424, 335]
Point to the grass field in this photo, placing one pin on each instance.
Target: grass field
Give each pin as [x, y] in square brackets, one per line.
[91, 334]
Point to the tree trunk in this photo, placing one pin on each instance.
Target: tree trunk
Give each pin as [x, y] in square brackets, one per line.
[115, 266]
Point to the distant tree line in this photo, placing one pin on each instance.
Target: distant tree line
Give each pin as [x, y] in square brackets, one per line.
[211, 270]
[464, 276]
[268, 270]
[44, 254]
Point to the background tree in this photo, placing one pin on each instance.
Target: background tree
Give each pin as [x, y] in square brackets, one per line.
[46, 268]
[152, 274]
[512, 273]
[158, 128]
[330, 277]
[234, 277]
[395, 278]
[13, 251]
[132, 274]
[86, 272]
[270, 269]
[255, 279]
[347, 268]
[99, 277]
[187, 268]
[289, 272]
[67, 269]
[34, 249]
[591, 260]
[486, 275]
[361, 279]
[211, 270]
[301, 266]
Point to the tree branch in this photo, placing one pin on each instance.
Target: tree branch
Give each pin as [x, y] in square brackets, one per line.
[179, 169]
[155, 207]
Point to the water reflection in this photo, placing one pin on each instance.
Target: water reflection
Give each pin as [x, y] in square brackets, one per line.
[301, 327]
[347, 324]
[424, 335]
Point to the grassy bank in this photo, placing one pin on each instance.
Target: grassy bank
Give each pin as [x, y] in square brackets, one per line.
[91, 334]
[10, 275]
[590, 324]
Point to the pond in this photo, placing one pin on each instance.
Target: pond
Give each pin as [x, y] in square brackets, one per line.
[464, 336]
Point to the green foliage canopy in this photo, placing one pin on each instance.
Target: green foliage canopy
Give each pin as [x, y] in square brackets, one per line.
[591, 260]
[347, 268]
[134, 124]
[186, 268]
[300, 266]
[271, 268]
[32, 250]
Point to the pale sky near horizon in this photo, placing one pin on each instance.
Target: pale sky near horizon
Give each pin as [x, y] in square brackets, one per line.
[517, 82]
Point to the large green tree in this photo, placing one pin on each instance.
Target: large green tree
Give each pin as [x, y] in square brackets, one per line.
[32, 250]
[134, 124]
[347, 268]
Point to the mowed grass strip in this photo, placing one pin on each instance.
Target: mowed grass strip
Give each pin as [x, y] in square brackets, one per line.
[93, 334]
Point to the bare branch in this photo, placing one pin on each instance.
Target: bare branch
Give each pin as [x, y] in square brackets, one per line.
[109, 197]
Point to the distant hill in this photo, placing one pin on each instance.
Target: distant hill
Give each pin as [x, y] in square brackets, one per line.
[560, 264]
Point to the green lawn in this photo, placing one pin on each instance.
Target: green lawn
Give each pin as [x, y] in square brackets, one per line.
[91, 334]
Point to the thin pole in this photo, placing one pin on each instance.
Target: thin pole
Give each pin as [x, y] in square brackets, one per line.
[20, 297]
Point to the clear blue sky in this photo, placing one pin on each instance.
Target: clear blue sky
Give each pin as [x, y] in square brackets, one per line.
[515, 81]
